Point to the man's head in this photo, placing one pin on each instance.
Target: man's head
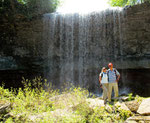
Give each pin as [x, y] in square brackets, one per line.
[110, 65]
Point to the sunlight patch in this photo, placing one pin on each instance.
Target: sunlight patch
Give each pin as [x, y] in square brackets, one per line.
[82, 6]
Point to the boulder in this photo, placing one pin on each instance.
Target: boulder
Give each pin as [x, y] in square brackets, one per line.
[144, 108]
[121, 105]
[133, 105]
[131, 121]
[95, 102]
[4, 108]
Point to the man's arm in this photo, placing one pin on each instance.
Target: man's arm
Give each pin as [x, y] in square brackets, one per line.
[118, 75]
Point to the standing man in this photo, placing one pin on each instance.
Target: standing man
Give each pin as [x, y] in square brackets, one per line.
[113, 78]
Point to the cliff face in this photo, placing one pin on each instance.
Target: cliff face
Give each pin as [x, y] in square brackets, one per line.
[75, 47]
[20, 49]
[136, 40]
[78, 46]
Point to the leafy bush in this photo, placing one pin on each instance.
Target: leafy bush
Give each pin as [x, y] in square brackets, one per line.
[27, 8]
[102, 114]
[34, 103]
[40, 6]
[124, 114]
[139, 99]
[122, 3]
[130, 97]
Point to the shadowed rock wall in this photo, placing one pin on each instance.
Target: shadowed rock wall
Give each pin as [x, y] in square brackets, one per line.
[20, 50]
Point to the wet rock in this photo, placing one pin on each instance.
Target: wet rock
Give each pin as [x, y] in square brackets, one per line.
[144, 108]
[7, 63]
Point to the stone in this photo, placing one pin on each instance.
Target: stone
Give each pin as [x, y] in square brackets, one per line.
[121, 105]
[7, 63]
[4, 108]
[139, 119]
[133, 105]
[130, 122]
[124, 98]
[144, 108]
[95, 102]
[108, 108]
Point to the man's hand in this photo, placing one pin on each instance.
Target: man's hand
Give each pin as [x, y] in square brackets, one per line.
[118, 77]
[117, 80]
[100, 85]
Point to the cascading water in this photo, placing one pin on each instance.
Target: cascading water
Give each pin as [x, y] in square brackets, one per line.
[79, 45]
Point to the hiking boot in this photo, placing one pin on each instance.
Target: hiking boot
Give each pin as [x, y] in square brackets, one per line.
[110, 102]
[105, 102]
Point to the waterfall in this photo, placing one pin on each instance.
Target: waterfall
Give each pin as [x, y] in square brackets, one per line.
[77, 46]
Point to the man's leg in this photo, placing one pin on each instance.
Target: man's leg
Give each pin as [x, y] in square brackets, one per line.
[109, 91]
[116, 89]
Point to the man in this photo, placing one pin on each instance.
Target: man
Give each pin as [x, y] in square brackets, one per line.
[113, 78]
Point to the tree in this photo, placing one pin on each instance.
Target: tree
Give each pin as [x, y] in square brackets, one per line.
[40, 5]
[122, 3]
[28, 6]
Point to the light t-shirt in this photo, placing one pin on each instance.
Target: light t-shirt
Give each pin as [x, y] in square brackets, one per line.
[104, 77]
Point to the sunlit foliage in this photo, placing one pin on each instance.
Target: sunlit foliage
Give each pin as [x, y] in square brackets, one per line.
[29, 8]
[41, 4]
[39, 102]
[122, 3]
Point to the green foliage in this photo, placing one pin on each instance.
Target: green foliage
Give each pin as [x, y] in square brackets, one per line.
[39, 99]
[28, 8]
[124, 114]
[83, 110]
[130, 97]
[139, 99]
[22, 1]
[99, 115]
[119, 3]
[122, 3]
